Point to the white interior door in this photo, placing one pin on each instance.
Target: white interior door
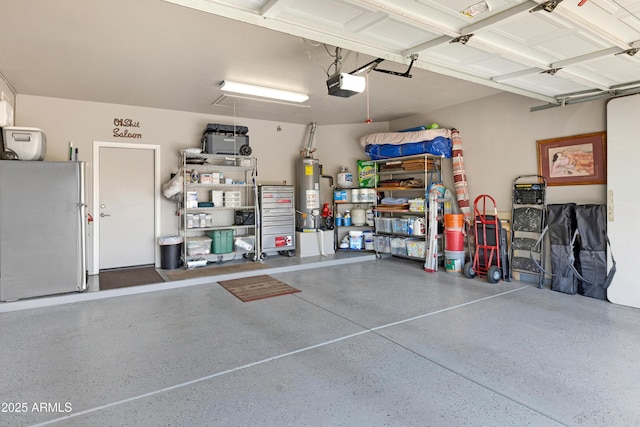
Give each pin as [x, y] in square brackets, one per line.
[623, 151]
[126, 207]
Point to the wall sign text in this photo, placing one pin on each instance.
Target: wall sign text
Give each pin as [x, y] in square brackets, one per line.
[121, 131]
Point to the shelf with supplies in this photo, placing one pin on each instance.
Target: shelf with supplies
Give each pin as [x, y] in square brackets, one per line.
[402, 211]
[353, 218]
[218, 211]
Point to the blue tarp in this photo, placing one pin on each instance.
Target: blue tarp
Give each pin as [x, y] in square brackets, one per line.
[439, 146]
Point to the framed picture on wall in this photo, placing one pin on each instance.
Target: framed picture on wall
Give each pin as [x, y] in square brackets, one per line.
[574, 160]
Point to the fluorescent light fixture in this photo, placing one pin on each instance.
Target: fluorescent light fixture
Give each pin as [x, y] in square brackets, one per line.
[264, 92]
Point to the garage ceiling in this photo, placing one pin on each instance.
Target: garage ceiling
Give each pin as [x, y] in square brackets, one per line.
[174, 53]
[555, 51]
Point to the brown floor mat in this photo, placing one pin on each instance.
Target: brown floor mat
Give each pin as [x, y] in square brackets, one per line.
[257, 287]
[125, 277]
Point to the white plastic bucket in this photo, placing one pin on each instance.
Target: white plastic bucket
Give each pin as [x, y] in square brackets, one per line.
[368, 240]
[355, 239]
[454, 261]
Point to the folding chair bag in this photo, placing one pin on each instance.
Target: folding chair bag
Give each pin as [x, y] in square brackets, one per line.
[561, 220]
[592, 256]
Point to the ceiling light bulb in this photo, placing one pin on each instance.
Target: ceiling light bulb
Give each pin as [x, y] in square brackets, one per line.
[264, 92]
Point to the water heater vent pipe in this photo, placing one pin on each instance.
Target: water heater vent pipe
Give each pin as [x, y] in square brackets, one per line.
[308, 151]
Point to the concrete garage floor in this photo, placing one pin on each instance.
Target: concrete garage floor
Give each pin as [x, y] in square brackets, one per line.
[372, 343]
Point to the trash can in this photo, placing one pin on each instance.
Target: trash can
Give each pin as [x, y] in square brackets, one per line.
[170, 252]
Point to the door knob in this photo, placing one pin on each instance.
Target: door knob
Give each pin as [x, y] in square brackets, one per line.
[102, 214]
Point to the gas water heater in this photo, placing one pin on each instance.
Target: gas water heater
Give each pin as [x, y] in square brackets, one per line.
[308, 194]
[308, 188]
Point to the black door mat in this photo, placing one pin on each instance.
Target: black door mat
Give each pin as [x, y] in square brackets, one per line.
[126, 277]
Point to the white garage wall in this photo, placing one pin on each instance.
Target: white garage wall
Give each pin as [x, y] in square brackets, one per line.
[499, 135]
[276, 145]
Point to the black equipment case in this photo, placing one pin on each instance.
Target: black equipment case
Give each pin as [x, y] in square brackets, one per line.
[226, 139]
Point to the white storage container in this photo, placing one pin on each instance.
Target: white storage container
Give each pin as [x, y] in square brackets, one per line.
[198, 245]
[382, 244]
[398, 246]
[232, 199]
[384, 225]
[244, 243]
[367, 240]
[27, 143]
[401, 225]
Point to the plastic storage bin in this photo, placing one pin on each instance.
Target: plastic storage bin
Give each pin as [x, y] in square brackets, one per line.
[401, 225]
[416, 248]
[244, 243]
[384, 225]
[398, 246]
[222, 241]
[198, 245]
[382, 244]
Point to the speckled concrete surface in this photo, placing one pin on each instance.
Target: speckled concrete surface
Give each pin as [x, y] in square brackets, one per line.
[376, 343]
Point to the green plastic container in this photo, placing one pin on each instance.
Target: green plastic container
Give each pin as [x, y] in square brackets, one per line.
[222, 241]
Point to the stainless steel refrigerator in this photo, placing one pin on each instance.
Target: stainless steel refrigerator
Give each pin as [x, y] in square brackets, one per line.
[42, 229]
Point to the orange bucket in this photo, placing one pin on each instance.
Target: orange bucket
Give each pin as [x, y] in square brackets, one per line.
[453, 221]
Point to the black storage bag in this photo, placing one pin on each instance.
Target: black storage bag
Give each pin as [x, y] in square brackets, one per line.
[592, 255]
[561, 220]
